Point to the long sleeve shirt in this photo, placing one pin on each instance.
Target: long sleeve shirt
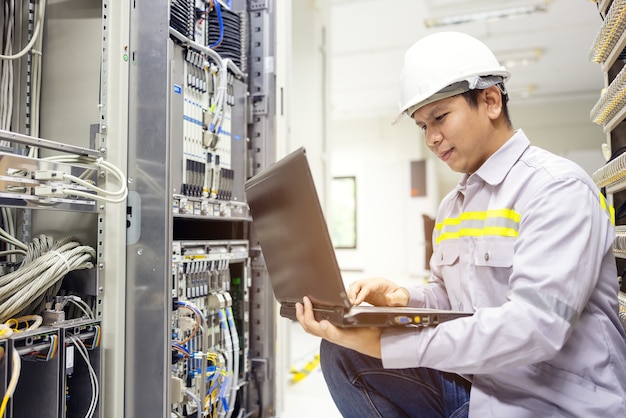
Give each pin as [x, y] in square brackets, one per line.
[525, 243]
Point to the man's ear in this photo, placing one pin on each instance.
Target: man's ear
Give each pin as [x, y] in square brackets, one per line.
[492, 100]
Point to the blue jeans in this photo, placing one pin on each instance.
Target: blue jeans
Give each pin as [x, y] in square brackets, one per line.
[362, 388]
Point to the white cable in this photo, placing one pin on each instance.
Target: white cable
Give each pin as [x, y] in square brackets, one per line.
[82, 305]
[5, 236]
[15, 374]
[116, 196]
[36, 82]
[21, 289]
[197, 401]
[7, 70]
[37, 321]
[235, 344]
[223, 63]
[62, 257]
[36, 32]
[228, 347]
[12, 252]
[5, 331]
[95, 388]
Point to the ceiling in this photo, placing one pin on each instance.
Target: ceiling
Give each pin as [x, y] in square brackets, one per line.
[368, 40]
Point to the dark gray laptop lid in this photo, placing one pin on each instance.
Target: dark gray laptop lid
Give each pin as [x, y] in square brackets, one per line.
[291, 229]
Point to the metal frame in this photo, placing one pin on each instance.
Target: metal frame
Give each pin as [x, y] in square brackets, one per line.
[262, 132]
[148, 259]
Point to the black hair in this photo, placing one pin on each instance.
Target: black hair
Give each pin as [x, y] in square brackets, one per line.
[471, 96]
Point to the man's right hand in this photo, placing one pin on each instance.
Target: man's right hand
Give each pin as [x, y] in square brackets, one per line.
[378, 292]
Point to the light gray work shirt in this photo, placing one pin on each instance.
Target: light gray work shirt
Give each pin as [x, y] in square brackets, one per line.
[526, 243]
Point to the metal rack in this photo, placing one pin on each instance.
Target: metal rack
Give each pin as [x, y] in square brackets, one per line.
[123, 102]
[608, 50]
[180, 221]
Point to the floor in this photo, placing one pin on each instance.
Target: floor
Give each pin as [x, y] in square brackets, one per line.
[306, 395]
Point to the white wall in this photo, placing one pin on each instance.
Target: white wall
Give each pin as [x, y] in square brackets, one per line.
[308, 91]
[300, 118]
[389, 221]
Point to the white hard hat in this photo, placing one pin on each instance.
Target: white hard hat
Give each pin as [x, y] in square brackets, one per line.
[445, 64]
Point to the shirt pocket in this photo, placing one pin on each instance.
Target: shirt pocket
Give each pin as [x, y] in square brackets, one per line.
[493, 264]
[494, 252]
[446, 254]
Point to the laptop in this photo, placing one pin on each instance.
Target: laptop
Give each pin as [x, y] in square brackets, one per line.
[299, 255]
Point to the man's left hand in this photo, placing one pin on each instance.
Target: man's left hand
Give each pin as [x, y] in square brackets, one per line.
[364, 340]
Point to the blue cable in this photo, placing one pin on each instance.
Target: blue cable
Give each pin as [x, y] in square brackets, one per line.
[218, 10]
[182, 348]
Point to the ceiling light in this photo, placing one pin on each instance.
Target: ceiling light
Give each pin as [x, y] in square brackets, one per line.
[488, 15]
[520, 58]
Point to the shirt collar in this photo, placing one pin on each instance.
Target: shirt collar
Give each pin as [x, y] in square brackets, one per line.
[495, 169]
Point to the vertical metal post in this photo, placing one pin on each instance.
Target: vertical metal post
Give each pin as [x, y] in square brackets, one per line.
[262, 136]
[148, 256]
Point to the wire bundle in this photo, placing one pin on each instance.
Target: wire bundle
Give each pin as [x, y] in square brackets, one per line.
[24, 290]
[181, 17]
[612, 29]
[5, 332]
[619, 244]
[622, 308]
[224, 33]
[612, 172]
[93, 377]
[8, 57]
[115, 196]
[612, 101]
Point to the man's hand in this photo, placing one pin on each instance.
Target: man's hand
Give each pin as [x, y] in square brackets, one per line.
[378, 292]
[363, 340]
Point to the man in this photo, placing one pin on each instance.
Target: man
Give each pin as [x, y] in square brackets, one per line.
[524, 241]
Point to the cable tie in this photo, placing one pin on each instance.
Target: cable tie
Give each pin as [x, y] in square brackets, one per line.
[63, 258]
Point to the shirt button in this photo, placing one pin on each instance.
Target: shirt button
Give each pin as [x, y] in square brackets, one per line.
[487, 256]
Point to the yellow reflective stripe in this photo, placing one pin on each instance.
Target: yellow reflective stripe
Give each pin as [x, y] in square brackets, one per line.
[481, 216]
[602, 202]
[495, 222]
[612, 213]
[609, 209]
[475, 232]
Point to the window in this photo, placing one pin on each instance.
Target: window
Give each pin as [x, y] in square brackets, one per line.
[343, 212]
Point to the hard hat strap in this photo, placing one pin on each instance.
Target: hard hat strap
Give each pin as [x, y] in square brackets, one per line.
[460, 87]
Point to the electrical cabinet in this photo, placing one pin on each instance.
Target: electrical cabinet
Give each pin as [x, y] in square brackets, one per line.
[131, 283]
[609, 51]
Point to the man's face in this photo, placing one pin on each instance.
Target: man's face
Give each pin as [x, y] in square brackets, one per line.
[456, 132]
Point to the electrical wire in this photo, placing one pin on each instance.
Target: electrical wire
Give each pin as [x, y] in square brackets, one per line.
[228, 354]
[197, 315]
[36, 33]
[6, 102]
[93, 377]
[181, 349]
[36, 319]
[218, 10]
[15, 375]
[36, 60]
[224, 64]
[115, 196]
[196, 400]
[235, 372]
[5, 236]
[46, 263]
[82, 305]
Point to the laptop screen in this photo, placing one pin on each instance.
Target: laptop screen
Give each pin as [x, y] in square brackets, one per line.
[289, 223]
